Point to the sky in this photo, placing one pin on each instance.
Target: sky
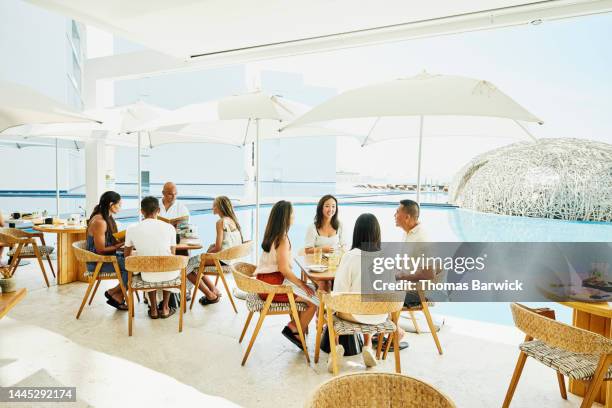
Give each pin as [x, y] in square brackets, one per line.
[558, 70]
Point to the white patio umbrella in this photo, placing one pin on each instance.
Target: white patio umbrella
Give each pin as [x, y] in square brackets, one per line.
[238, 120]
[449, 102]
[20, 105]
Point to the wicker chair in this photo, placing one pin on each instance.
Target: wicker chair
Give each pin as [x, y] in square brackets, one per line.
[152, 264]
[377, 390]
[422, 307]
[570, 351]
[243, 275]
[352, 303]
[236, 252]
[96, 276]
[23, 245]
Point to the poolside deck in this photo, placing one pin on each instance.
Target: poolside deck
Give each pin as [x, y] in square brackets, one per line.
[42, 343]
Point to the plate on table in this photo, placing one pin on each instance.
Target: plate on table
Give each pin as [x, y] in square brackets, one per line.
[317, 268]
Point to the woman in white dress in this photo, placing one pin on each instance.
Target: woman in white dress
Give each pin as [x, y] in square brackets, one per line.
[326, 231]
[228, 234]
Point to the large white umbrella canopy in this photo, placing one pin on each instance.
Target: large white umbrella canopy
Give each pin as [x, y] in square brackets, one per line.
[238, 120]
[398, 108]
[21, 105]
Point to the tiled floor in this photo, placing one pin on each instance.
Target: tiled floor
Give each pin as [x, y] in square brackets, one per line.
[42, 343]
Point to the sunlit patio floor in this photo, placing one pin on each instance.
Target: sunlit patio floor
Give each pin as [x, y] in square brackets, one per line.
[41, 343]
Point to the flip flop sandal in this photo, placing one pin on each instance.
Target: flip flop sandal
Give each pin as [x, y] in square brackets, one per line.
[151, 316]
[119, 306]
[205, 301]
[170, 313]
[292, 337]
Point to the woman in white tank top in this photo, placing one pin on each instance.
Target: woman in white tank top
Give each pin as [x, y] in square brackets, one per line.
[228, 235]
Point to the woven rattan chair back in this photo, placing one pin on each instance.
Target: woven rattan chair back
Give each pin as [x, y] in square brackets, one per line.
[10, 236]
[377, 390]
[235, 252]
[356, 303]
[155, 263]
[250, 284]
[559, 334]
[82, 254]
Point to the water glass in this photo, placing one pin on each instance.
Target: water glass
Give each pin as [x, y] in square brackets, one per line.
[317, 255]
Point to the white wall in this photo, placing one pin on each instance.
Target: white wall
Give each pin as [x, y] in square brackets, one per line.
[34, 48]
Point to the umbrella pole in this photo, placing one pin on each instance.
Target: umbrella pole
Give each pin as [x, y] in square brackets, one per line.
[139, 179]
[257, 146]
[418, 195]
[57, 192]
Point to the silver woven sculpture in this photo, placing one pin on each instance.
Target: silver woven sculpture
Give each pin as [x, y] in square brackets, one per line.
[569, 179]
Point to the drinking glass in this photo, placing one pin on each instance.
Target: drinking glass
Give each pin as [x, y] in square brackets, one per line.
[317, 255]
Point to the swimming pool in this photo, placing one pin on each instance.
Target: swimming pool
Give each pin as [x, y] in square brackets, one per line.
[443, 224]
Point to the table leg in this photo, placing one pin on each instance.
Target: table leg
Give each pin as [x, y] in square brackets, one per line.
[68, 268]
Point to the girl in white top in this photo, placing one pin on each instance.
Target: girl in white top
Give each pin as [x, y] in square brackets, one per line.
[348, 278]
[228, 235]
[275, 268]
[326, 231]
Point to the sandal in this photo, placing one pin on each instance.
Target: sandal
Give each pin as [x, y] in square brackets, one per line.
[170, 313]
[205, 301]
[112, 302]
[151, 316]
[292, 337]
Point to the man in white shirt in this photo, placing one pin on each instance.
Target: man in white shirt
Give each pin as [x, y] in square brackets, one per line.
[152, 237]
[171, 208]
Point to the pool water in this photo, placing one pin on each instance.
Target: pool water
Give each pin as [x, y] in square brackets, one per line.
[443, 225]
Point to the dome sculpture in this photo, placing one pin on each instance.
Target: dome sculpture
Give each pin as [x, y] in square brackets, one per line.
[568, 179]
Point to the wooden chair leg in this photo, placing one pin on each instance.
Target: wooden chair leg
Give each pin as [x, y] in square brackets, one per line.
[320, 321]
[92, 279]
[381, 338]
[216, 280]
[42, 241]
[562, 389]
[396, 348]
[515, 378]
[387, 345]
[130, 302]
[332, 340]
[15, 259]
[246, 326]
[596, 381]
[414, 322]
[196, 285]
[183, 305]
[432, 327]
[118, 274]
[40, 262]
[94, 291]
[296, 318]
[229, 292]
[262, 316]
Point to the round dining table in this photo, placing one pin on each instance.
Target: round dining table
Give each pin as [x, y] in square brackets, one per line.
[68, 268]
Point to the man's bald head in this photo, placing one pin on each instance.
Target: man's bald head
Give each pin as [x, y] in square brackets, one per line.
[169, 192]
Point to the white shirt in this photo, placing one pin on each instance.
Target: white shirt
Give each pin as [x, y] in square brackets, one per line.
[417, 234]
[176, 210]
[152, 237]
[314, 239]
[348, 280]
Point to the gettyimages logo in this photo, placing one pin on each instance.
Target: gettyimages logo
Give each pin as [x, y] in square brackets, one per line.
[409, 264]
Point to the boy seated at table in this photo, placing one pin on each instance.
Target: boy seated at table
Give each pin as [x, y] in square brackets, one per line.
[152, 237]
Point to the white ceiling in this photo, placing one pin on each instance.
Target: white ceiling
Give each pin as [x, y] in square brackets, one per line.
[185, 28]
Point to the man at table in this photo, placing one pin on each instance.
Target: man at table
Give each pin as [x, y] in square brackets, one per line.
[171, 207]
[152, 237]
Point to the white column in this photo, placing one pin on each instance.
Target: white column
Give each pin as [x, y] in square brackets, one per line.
[95, 166]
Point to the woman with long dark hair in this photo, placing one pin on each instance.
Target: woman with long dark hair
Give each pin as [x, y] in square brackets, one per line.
[100, 229]
[366, 240]
[275, 267]
[326, 231]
